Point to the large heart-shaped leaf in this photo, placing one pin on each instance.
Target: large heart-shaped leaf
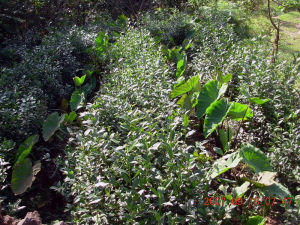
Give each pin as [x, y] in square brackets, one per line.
[90, 86]
[25, 148]
[240, 111]
[209, 93]
[77, 99]
[51, 124]
[78, 81]
[241, 190]
[276, 190]
[184, 88]
[23, 175]
[256, 220]
[255, 158]
[223, 164]
[215, 114]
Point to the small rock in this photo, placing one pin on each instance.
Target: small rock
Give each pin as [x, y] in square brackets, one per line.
[31, 218]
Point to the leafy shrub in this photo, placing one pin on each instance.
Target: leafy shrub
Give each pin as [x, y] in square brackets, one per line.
[42, 78]
[5, 156]
[170, 28]
[273, 127]
[251, 5]
[131, 163]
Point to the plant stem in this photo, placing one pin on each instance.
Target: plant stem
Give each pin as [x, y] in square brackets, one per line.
[238, 131]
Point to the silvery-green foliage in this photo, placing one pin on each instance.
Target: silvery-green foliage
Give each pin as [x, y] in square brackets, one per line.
[22, 108]
[274, 126]
[5, 154]
[171, 28]
[41, 79]
[131, 163]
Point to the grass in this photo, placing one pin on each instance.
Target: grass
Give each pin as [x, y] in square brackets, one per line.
[289, 34]
[259, 24]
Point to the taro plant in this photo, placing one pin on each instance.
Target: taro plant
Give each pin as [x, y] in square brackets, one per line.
[263, 179]
[78, 81]
[52, 124]
[23, 173]
[178, 55]
[82, 91]
[101, 44]
[54, 120]
[209, 102]
[189, 92]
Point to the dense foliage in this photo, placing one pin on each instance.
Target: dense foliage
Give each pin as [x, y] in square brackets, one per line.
[173, 116]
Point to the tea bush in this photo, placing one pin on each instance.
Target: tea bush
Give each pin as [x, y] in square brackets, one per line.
[170, 28]
[131, 164]
[274, 126]
[40, 80]
[5, 155]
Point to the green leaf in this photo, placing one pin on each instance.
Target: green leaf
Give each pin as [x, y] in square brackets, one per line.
[186, 119]
[218, 151]
[297, 201]
[70, 117]
[222, 90]
[77, 99]
[241, 190]
[51, 124]
[23, 175]
[215, 114]
[224, 79]
[179, 82]
[276, 190]
[181, 65]
[225, 138]
[25, 148]
[258, 101]
[240, 111]
[223, 164]
[256, 220]
[101, 41]
[254, 100]
[89, 87]
[64, 104]
[184, 88]
[182, 100]
[186, 44]
[174, 54]
[209, 93]
[89, 73]
[255, 158]
[78, 81]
